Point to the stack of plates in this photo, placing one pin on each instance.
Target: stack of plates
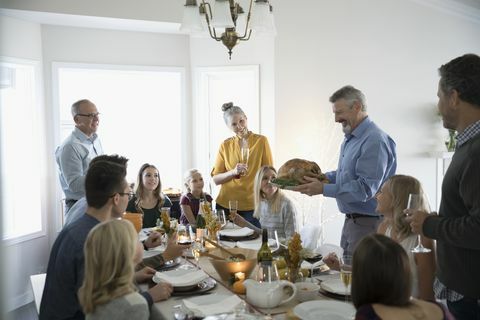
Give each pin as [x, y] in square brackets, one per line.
[186, 282]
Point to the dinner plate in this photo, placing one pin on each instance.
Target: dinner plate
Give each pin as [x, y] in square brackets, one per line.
[240, 238]
[201, 287]
[181, 279]
[335, 286]
[213, 304]
[323, 309]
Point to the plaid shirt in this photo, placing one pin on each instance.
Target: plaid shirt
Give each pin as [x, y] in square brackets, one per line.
[441, 291]
[469, 132]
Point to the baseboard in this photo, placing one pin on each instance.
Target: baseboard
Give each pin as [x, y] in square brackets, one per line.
[19, 301]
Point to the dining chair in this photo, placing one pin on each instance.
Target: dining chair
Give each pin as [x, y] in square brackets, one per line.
[38, 282]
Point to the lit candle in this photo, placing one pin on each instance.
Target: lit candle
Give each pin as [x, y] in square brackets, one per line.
[240, 276]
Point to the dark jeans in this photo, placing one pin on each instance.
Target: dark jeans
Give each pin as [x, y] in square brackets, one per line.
[465, 309]
[247, 215]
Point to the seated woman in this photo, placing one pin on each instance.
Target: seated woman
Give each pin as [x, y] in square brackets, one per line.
[108, 290]
[382, 283]
[190, 201]
[149, 197]
[274, 210]
[392, 200]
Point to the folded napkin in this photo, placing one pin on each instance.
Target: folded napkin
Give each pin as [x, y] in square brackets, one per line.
[334, 286]
[308, 265]
[215, 304]
[180, 278]
[253, 244]
[243, 232]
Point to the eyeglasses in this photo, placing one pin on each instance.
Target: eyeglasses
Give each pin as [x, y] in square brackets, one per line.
[89, 115]
[129, 194]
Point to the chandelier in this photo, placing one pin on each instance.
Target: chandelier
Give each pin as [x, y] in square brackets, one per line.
[230, 16]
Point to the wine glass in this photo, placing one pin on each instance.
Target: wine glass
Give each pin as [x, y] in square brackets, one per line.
[414, 203]
[233, 207]
[244, 154]
[197, 248]
[268, 274]
[273, 241]
[222, 220]
[346, 273]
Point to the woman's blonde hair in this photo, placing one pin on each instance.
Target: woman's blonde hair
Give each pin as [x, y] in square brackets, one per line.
[400, 186]
[187, 177]
[109, 252]
[259, 195]
[140, 190]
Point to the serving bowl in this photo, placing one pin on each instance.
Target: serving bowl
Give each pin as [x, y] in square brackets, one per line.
[226, 269]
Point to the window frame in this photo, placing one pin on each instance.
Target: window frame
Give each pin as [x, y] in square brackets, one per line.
[184, 119]
[38, 107]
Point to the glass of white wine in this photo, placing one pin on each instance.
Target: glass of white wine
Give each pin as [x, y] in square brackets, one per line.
[414, 203]
[197, 249]
[346, 273]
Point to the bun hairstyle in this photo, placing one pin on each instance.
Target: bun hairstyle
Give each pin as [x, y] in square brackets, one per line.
[229, 110]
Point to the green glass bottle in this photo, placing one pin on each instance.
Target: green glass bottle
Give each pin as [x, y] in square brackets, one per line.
[264, 255]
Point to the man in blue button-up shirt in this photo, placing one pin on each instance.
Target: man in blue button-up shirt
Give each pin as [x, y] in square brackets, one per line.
[78, 149]
[367, 159]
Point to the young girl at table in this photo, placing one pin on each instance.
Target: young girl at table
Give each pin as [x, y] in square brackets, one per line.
[108, 290]
[382, 283]
[392, 199]
[190, 201]
[149, 197]
[274, 210]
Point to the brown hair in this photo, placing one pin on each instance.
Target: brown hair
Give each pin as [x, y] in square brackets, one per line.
[380, 272]
[139, 192]
[400, 186]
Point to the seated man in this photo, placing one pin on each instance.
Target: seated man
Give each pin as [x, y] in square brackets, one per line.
[107, 194]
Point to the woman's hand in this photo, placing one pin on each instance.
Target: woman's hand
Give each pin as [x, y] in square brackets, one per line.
[332, 261]
[161, 291]
[145, 274]
[240, 169]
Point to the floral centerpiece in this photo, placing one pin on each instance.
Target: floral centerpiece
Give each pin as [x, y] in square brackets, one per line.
[166, 225]
[294, 256]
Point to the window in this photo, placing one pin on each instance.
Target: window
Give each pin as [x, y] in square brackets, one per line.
[140, 113]
[20, 149]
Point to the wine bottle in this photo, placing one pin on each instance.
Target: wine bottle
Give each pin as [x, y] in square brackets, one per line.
[264, 255]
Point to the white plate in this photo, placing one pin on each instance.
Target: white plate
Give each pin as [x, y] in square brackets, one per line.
[212, 304]
[243, 232]
[320, 309]
[334, 285]
[180, 277]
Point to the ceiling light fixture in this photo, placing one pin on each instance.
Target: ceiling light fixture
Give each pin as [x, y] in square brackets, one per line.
[228, 15]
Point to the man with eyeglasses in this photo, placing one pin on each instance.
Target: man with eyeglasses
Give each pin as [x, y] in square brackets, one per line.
[78, 149]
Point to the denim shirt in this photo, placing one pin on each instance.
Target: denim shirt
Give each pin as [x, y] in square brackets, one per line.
[367, 159]
[73, 158]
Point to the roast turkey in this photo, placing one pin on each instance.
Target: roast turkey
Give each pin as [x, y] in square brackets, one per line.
[293, 171]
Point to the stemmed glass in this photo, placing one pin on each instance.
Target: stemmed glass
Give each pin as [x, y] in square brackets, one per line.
[346, 273]
[221, 218]
[414, 203]
[268, 274]
[244, 154]
[233, 207]
[273, 241]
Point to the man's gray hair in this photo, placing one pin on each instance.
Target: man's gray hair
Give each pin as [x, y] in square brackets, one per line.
[350, 94]
[76, 106]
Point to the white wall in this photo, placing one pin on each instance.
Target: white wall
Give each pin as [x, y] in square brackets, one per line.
[389, 49]
[22, 39]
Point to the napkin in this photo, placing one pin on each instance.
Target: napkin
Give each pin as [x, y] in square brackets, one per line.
[180, 278]
[308, 265]
[334, 286]
[216, 305]
[255, 245]
[243, 232]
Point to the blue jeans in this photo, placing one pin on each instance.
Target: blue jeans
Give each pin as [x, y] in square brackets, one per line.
[247, 215]
[465, 309]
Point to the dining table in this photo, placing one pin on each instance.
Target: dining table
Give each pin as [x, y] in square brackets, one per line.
[169, 309]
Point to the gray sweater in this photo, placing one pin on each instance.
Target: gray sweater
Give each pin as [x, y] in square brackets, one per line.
[283, 221]
[457, 227]
[130, 306]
